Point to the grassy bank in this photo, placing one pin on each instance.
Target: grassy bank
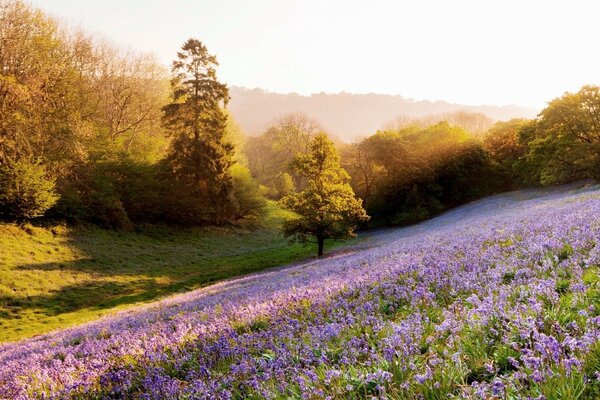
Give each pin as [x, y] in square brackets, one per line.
[59, 276]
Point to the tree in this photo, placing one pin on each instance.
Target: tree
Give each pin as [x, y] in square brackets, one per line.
[474, 123]
[502, 143]
[563, 143]
[270, 154]
[327, 207]
[128, 93]
[35, 82]
[249, 197]
[25, 191]
[200, 157]
[295, 132]
[412, 174]
[284, 185]
[377, 158]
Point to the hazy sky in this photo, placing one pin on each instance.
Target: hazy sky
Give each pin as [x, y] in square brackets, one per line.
[522, 52]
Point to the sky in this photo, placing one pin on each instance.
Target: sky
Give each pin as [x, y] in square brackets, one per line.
[479, 52]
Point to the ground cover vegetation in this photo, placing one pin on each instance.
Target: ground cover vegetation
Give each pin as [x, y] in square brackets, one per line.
[499, 299]
[58, 276]
[122, 182]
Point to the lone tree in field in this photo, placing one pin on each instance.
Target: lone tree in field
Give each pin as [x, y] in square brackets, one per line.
[200, 157]
[327, 208]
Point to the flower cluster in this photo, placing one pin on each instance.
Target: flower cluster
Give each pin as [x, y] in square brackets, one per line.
[500, 299]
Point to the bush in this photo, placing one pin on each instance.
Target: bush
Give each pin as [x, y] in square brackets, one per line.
[118, 194]
[182, 206]
[413, 175]
[249, 197]
[284, 184]
[25, 190]
[112, 194]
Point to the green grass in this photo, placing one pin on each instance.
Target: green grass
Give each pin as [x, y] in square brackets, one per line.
[55, 277]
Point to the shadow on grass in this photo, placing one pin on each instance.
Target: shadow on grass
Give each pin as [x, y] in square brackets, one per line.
[118, 269]
[88, 295]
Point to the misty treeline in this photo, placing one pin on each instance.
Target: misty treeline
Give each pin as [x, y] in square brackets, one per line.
[89, 132]
[415, 168]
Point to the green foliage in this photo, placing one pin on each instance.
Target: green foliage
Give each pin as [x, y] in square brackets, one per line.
[248, 195]
[327, 207]
[590, 368]
[410, 175]
[35, 83]
[502, 144]
[284, 185]
[63, 275]
[112, 194]
[76, 104]
[102, 125]
[270, 154]
[562, 144]
[25, 190]
[66, 97]
[200, 158]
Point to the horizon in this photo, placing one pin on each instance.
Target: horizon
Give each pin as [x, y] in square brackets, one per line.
[358, 202]
[497, 54]
[400, 96]
[350, 116]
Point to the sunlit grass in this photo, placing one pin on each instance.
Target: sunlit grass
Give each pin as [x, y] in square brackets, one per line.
[54, 277]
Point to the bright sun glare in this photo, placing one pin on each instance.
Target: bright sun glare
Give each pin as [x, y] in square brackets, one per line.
[470, 52]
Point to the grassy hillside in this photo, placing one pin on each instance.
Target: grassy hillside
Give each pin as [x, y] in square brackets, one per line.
[59, 276]
[499, 299]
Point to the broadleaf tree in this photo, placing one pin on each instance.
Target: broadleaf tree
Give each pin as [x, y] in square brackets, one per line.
[25, 190]
[327, 207]
[563, 143]
[200, 157]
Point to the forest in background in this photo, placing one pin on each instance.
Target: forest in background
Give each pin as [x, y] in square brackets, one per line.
[92, 133]
[349, 116]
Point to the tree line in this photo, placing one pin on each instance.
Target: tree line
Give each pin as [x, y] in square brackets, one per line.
[92, 133]
[416, 168]
[89, 132]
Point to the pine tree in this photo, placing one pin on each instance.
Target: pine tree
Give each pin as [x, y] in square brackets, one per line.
[327, 208]
[200, 157]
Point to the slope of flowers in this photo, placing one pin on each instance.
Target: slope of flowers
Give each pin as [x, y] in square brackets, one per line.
[501, 301]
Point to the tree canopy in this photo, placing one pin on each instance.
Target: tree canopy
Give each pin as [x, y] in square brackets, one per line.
[563, 143]
[200, 157]
[91, 132]
[411, 174]
[327, 207]
[25, 191]
[92, 118]
[270, 154]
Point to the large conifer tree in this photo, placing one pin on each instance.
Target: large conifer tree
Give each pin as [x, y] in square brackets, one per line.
[200, 157]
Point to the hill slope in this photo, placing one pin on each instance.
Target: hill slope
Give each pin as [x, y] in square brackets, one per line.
[496, 299]
[56, 277]
[347, 115]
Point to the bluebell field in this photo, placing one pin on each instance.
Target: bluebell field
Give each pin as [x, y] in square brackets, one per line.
[496, 300]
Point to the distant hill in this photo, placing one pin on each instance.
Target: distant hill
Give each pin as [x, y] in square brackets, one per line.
[347, 115]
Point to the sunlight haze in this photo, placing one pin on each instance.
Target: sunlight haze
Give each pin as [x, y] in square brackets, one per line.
[469, 52]
[299, 199]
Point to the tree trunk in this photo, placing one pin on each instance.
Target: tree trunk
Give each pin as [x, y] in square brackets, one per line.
[321, 243]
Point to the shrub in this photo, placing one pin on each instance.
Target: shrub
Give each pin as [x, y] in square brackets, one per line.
[284, 185]
[25, 190]
[111, 194]
[249, 197]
